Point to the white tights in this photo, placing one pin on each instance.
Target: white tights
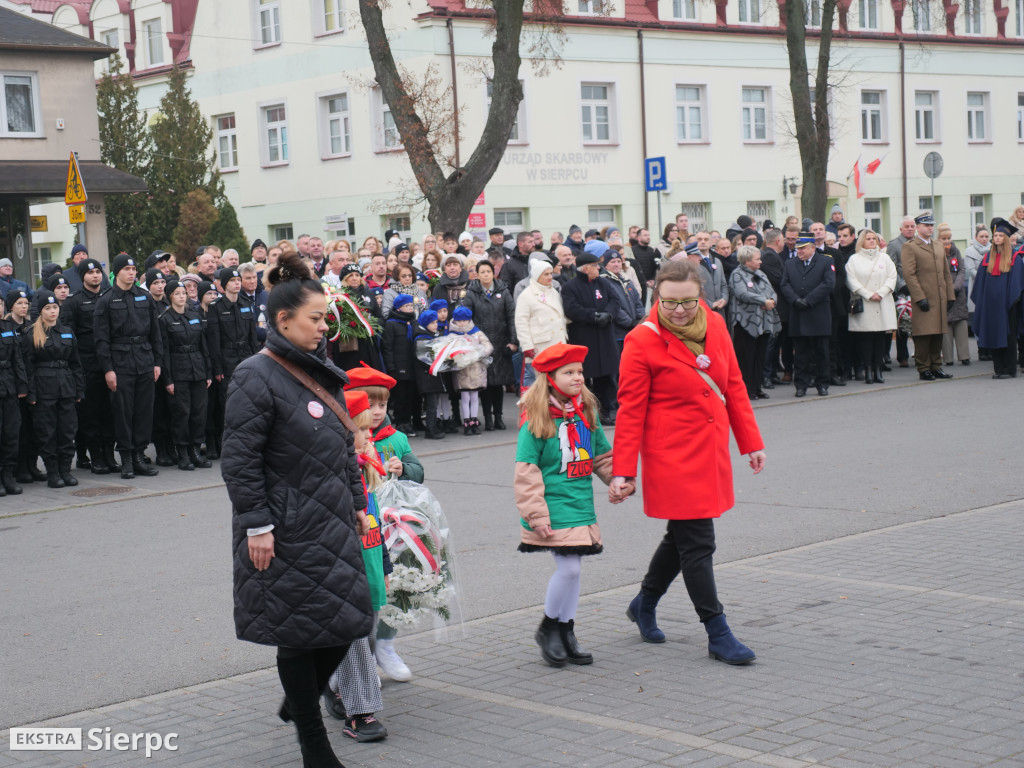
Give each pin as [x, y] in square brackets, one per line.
[563, 595]
[470, 399]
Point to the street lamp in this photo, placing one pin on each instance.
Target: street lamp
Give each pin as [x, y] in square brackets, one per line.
[789, 186]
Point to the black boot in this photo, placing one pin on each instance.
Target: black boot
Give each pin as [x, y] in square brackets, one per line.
[110, 457]
[498, 423]
[197, 461]
[140, 467]
[488, 422]
[573, 653]
[163, 454]
[83, 457]
[435, 430]
[467, 426]
[549, 639]
[302, 705]
[52, 475]
[64, 468]
[184, 460]
[127, 472]
[33, 469]
[451, 426]
[23, 475]
[9, 483]
[99, 460]
[3, 491]
[877, 378]
[212, 452]
[475, 425]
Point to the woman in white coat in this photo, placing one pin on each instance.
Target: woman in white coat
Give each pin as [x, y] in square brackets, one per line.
[540, 319]
[871, 277]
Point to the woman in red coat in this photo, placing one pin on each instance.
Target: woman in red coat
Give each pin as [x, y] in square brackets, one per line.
[680, 390]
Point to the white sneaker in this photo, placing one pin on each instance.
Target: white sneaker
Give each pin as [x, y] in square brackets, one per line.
[392, 663]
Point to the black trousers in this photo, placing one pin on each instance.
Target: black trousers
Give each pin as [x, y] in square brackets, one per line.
[750, 352]
[187, 407]
[304, 675]
[10, 427]
[133, 410]
[871, 346]
[786, 348]
[162, 415]
[810, 361]
[28, 446]
[55, 423]
[215, 413]
[1004, 359]
[95, 420]
[902, 348]
[688, 547]
[770, 366]
[604, 388]
[403, 401]
[493, 400]
[840, 348]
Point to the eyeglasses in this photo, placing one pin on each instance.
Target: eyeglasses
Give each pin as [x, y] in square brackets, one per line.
[671, 306]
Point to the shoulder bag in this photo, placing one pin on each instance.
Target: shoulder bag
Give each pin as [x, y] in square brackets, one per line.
[307, 381]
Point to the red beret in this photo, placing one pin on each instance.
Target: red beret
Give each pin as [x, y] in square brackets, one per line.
[357, 402]
[368, 377]
[554, 357]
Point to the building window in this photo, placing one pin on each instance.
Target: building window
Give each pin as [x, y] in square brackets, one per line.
[1020, 115]
[595, 112]
[925, 103]
[873, 215]
[697, 215]
[110, 38]
[335, 126]
[153, 34]
[512, 220]
[42, 254]
[977, 106]
[690, 113]
[921, 11]
[401, 223]
[1020, 17]
[759, 210]
[869, 14]
[328, 17]
[386, 135]
[750, 11]
[280, 232]
[19, 105]
[518, 133]
[600, 216]
[755, 114]
[591, 7]
[686, 10]
[813, 10]
[268, 23]
[275, 134]
[972, 17]
[872, 115]
[978, 216]
[227, 143]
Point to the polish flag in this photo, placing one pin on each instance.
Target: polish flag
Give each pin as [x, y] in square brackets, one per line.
[873, 165]
[856, 178]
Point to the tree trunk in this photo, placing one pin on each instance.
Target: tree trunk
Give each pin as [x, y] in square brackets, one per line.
[813, 130]
[450, 198]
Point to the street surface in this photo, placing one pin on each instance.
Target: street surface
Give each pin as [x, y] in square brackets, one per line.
[874, 566]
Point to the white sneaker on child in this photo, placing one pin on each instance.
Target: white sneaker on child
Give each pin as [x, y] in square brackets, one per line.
[392, 664]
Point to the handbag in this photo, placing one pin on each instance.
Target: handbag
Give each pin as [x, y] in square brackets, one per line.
[307, 381]
[856, 306]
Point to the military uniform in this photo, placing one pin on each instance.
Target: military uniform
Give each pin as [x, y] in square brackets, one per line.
[13, 382]
[128, 343]
[231, 338]
[926, 272]
[186, 365]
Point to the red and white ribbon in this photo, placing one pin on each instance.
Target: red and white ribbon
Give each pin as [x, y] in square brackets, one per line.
[395, 523]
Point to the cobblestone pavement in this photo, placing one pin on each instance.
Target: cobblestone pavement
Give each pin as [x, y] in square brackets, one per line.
[895, 647]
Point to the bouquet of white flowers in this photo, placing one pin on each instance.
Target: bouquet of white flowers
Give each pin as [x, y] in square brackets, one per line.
[422, 588]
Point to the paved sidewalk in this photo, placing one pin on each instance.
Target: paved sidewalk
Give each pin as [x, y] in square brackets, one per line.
[897, 647]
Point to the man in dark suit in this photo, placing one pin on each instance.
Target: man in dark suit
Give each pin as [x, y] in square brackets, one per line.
[838, 347]
[807, 284]
[771, 265]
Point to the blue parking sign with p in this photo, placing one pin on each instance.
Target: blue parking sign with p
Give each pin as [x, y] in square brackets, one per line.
[654, 174]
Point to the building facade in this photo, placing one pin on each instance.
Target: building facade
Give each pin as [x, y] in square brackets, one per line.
[306, 144]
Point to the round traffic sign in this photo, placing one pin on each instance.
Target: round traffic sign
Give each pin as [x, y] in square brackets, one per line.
[933, 165]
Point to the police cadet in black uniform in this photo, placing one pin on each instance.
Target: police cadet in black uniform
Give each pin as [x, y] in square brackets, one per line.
[55, 384]
[156, 283]
[13, 386]
[185, 375]
[18, 310]
[95, 420]
[129, 348]
[231, 337]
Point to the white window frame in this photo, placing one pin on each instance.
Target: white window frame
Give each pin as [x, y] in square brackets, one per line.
[684, 10]
[591, 7]
[381, 113]
[272, 7]
[324, 119]
[974, 17]
[873, 219]
[265, 127]
[813, 12]
[230, 135]
[974, 112]
[501, 220]
[976, 211]
[280, 232]
[1020, 114]
[400, 222]
[921, 11]
[37, 115]
[599, 222]
[519, 127]
[868, 12]
[919, 111]
[866, 112]
[749, 12]
[153, 43]
[748, 110]
[592, 104]
[320, 12]
[700, 104]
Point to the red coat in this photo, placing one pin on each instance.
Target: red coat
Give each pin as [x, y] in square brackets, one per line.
[671, 419]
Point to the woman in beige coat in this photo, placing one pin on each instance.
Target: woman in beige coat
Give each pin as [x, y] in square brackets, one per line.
[871, 277]
[540, 319]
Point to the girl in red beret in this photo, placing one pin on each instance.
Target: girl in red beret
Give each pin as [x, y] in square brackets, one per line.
[561, 445]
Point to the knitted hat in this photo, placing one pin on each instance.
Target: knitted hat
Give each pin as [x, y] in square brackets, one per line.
[557, 355]
[42, 298]
[13, 296]
[538, 268]
[121, 261]
[226, 274]
[427, 317]
[257, 243]
[55, 280]
[462, 313]
[6, 263]
[171, 285]
[610, 254]
[574, 229]
[350, 269]
[401, 300]
[77, 249]
[368, 377]
[204, 288]
[465, 236]
[153, 274]
[836, 209]
[356, 402]
[87, 265]
[596, 247]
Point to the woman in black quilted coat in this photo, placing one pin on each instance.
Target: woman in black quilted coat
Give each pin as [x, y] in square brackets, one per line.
[298, 507]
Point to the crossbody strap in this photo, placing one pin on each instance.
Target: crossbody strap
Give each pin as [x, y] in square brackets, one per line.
[710, 382]
[307, 381]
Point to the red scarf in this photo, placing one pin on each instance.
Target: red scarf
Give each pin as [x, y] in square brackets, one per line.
[558, 413]
[374, 461]
[385, 432]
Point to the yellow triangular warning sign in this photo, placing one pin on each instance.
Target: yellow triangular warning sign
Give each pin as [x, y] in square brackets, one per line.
[74, 190]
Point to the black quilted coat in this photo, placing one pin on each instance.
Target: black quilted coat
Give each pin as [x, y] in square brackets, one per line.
[285, 466]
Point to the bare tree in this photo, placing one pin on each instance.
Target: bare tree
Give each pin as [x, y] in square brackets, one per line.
[449, 195]
[813, 130]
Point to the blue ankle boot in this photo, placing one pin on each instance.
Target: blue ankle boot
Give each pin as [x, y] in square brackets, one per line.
[723, 645]
[641, 611]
